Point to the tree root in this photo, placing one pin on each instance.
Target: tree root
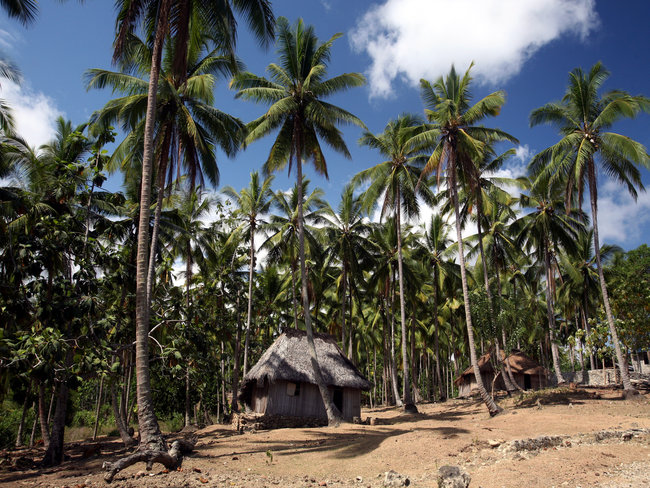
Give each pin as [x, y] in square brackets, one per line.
[171, 459]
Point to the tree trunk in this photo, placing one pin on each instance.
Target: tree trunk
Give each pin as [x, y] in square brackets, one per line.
[32, 436]
[436, 333]
[99, 404]
[625, 377]
[393, 362]
[150, 435]
[333, 414]
[587, 327]
[555, 353]
[343, 276]
[249, 314]
[42, 415]
[294, 300]
[492, 407]
[151, 272]
[234, 404]
[54, 453]
[188, 406]
[407, 400]
[122, 428]
[21, 425]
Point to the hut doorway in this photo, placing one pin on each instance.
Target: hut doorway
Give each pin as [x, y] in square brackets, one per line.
[527, 382]
[337, 398]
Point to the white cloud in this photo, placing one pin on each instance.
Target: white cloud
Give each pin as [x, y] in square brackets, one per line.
[34, 112]
[414, 39]
[620, 218]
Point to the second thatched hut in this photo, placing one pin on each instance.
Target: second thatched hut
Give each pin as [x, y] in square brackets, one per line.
[282, 382]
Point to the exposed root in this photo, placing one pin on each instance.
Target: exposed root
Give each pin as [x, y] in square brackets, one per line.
[171, 459]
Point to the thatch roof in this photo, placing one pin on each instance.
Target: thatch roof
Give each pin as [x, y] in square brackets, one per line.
[518, 361]
[522, 364]
[288, 359]
[484, 365]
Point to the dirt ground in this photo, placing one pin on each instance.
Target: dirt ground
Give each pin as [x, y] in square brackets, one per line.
[457, 432]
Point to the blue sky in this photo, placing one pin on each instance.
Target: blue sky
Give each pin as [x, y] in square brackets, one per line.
[525, 48]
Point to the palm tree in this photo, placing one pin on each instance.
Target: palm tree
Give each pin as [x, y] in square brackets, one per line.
[584, 118]
[252, 203]
[543, 231]
[23, 10]
[459, 147]
[395, 180]
[346, 240]
[433, 253]
[295, 92]
[282, 245]
[157, 13]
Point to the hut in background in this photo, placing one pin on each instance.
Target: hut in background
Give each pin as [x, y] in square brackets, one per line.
[527, 372]
[282, 382]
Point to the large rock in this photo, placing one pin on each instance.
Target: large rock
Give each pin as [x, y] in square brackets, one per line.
[393, 479]
[453, 477]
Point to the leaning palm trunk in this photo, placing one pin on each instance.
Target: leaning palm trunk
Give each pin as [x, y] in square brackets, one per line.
[150, 435]
[492, 407]
[625, 377]
[333, 414]
[409, 406]
[249, 314]
[555, 353]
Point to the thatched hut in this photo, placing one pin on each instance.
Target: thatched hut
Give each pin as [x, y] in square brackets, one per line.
[527, 372]
[282, 382]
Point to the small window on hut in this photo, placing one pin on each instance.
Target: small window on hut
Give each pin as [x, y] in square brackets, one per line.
[293, 389]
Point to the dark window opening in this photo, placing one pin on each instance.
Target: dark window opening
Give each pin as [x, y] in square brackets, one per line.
[527, 382]
[337, 398]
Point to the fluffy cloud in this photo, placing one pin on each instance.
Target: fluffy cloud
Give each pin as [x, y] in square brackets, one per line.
[413, 39]
[34, 112]
[621, 220]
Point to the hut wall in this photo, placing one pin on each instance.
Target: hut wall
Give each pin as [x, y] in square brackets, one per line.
[351, 403]
[259, 398]
[307, 403]
[273, 399]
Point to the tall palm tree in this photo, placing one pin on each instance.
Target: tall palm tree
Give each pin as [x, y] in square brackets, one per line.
[543, 231]
[346, 235]
[459, 146]
[395, 181]
[584, 119]
[282, 245]
[434, 253]
[252, 203]
[156, 13]
[296, 94]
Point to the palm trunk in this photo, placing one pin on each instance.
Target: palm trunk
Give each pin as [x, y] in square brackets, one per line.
[436, 333]
[555, 353]
[151, 271]
[406, 384]
[343, 276]
[587, 327]
[492, 407]
[294, 300]
[188, 409]
[393, 362]
[99, 404]
[333, 414]
[150, 435]
[249, 314]
[42, 415]
[21, 425]
[54, 453]
[235, 374]
[625, 377]
[122, 428]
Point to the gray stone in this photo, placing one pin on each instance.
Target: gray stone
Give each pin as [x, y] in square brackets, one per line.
[453, 477]
[394, 479]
